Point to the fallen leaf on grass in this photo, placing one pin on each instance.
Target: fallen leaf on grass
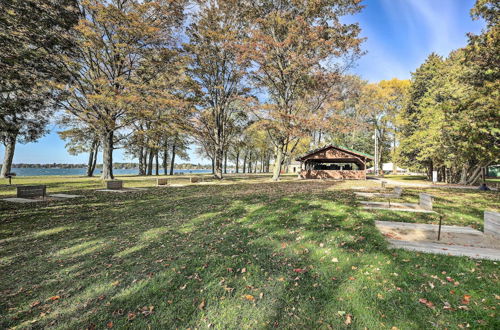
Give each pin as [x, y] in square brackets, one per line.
[147, 310]
[466, 299]
[36, 303]
[448, 307]
[300, 270]
[426, 302]
[335, 260]
[131, 316]
[53, 298]
[249, 297]
[109, 324]
[202, 305]
[348, 319]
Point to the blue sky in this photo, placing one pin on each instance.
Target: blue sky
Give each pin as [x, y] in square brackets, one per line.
[400, 34]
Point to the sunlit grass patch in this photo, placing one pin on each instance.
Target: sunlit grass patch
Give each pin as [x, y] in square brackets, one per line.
[250, 253]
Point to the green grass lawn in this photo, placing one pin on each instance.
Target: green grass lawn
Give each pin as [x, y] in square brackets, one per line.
[247, 253]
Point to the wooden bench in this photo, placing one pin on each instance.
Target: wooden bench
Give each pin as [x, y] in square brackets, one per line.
[161, 181]
[114, 184]
[31, 191]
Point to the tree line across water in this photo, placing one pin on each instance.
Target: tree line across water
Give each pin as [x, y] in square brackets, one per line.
[251, 83]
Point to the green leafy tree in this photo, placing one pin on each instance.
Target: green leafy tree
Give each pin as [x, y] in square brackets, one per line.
[216, 67]
[450, 122]
[33, 36]
[296, 49]
[82, 139]
[114, 39]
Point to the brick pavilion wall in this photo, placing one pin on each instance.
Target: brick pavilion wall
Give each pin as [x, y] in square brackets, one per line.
[333, 174]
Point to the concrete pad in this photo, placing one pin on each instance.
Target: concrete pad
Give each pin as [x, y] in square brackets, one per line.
[113, 190]
[382, 195]
[124, 190]
[451, 250]
[403, 207]
[22, 200]
[396, 209]
[65, 196]
[450, 235]
[427, 227]
[386, 204]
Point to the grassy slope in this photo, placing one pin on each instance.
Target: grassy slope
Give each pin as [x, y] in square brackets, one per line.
[247, 254]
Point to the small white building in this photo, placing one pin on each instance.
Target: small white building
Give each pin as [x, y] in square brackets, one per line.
[388, 168]
[293, 167]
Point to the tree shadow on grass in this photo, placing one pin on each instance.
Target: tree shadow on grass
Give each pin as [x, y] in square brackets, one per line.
[229, 257]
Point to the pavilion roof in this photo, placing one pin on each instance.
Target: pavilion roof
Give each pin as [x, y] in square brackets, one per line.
[328, 146]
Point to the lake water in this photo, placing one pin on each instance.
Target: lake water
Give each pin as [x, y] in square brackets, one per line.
[82, 171]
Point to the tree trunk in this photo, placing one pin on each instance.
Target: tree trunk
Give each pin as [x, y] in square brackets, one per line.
[150, 161]
[213, 166]
[430, 169]
[219, 154]
[142, 162]
[225, 162]
[157, 164]
[172, 160]
[278, 158]
[10, 146]
[237, 161]
[90, 162]
[107, 156]
[165, 161]
[244, 163]
[96, 151]
[92, 156]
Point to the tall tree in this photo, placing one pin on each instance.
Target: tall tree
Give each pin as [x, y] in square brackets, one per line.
[218, 70]
[482, 56]
[297, 50]
[380, 103]
[80, 140]
[450, 123]
[33, 35]
[113, 39]
[409, 118]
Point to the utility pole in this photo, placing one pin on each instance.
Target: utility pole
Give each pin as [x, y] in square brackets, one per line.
[376, 152]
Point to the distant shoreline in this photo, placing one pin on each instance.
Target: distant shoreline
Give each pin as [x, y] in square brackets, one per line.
[128, 166]
[81, 171]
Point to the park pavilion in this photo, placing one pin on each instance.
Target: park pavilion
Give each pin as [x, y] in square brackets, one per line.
[332, 162]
